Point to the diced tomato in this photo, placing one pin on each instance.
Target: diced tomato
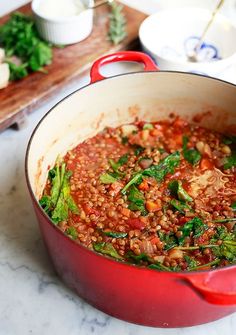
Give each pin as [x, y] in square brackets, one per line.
[153, 206]
[155, 240]
[161, 127]
[179, 139]
[136, 223]
[116, 187]
[144, 134]
[89, 210]
[156, 132]
[75, 217]
[144, 185]
[206, 164]
[179, 123]
[183, 220]
[71, 165]
[126, 212]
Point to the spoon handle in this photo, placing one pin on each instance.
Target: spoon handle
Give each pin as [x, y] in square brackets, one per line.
[209, 23]
[100, 3]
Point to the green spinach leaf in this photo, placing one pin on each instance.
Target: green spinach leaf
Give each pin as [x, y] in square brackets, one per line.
[180, 206]
[230, 161]
[115, 234]
[191, 155]
[169, 239]
[192, 263]
[137, 259]
[159, 267]
[107, 178]
[167, 165]
[177, 189]
[72, 233]
[195, 226]
[60, 201]
[106, 249]
[136, 199]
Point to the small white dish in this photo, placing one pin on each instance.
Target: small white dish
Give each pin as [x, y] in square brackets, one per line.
[169, 35]
[64, 29]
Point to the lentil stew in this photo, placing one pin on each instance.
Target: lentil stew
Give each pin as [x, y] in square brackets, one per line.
[160, 195]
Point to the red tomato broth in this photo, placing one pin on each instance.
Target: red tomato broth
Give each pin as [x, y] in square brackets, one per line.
[143, 224]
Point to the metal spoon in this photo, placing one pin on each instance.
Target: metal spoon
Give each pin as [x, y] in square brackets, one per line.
[193, 56]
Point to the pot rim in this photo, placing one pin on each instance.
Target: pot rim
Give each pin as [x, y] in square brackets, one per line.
[79, 245]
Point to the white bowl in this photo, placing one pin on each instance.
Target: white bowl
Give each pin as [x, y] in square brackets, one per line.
[64, 30]
[168, 35]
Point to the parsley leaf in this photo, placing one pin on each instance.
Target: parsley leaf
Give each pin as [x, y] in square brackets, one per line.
[19, 37]
[17, 71]
[191, 155]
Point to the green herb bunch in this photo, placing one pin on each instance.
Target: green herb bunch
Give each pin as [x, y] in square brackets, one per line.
[19, 37]
[117, 25]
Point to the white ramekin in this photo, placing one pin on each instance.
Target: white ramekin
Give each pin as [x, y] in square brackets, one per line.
[64, 30]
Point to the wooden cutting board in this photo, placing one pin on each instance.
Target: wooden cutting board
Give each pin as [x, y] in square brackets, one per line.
[70, 63]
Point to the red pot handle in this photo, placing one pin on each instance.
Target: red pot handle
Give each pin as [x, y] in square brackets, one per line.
[202, 286]
[131, 56]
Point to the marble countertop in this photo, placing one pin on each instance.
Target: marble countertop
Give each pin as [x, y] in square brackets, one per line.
[33, 300]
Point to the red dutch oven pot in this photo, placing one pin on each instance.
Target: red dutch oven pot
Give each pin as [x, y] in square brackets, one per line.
[128, 292]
